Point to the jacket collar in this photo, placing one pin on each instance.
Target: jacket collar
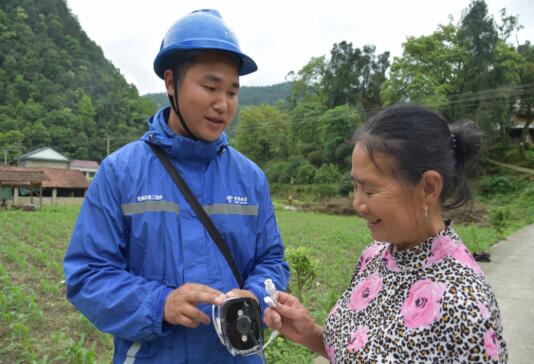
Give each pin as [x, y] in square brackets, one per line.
[178, 146]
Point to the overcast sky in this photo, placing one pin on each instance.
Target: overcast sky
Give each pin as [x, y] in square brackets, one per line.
[280, 35]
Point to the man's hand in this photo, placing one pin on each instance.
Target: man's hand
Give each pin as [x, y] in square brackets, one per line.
[181, 304]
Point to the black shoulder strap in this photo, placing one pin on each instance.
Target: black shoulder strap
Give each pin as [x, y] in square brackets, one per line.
[201, 213]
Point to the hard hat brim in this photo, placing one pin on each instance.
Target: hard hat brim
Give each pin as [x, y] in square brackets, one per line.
[161, 63]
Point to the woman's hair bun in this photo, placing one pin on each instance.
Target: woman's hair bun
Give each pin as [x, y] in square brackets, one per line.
[467, 140]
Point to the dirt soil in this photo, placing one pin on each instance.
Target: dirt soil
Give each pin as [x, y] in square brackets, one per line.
[474, 214]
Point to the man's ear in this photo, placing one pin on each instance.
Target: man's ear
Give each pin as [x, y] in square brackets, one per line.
[168, 77]
[432, 185]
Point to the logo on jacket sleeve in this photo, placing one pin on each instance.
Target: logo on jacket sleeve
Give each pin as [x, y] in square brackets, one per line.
[240, 200]
[149, 198]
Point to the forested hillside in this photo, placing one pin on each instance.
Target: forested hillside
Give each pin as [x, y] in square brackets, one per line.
[248, 95]
[57, 88]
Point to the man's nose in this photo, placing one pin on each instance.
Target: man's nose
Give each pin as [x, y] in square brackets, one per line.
[221, 103]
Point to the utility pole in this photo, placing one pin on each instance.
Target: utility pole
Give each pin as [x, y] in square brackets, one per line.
[107, 144]
[5, 157]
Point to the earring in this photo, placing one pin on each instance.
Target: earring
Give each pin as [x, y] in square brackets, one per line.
[426, 212]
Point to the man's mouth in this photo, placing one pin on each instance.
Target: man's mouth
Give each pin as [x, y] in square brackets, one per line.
[215, 121]
[373, 223]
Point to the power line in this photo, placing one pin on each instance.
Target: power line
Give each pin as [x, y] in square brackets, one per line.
[462, 99]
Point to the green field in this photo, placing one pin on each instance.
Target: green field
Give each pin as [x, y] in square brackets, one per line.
[38, 325]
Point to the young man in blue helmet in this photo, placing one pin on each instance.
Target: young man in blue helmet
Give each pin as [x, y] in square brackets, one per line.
[140, 264]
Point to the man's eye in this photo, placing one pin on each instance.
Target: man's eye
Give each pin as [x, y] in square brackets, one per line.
[209, 88]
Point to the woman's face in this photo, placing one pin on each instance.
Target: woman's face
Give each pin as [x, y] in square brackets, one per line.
[393, 209]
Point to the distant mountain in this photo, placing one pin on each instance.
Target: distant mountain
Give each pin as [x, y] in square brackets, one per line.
[257, 95]
[160, 99]
[248, 95]
[57, 88]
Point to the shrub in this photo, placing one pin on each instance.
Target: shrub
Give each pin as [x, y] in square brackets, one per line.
[513, 155]
[280, 172]
[303, 268]
[316, 158]
[528, 160]
[328, 173]
[324, 190]
[492, 185]
[286, 171]
[345, 186]
[305, 173]
[499, 218]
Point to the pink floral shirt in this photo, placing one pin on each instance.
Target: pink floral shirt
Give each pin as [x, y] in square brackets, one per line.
[427, 304]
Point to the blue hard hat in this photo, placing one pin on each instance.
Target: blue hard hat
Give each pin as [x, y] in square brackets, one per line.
[201, 29]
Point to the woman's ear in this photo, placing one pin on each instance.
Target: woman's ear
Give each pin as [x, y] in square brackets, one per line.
[169, 85]
[432, 185]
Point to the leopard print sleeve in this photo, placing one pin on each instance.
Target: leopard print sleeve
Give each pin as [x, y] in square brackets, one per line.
[475, 331]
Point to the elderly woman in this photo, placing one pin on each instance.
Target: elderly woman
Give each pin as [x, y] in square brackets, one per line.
[416, 295]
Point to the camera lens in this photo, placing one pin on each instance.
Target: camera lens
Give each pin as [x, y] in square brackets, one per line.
[243, 324]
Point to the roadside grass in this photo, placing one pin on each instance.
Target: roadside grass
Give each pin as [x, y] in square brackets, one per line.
[509, 200]
[38, 325]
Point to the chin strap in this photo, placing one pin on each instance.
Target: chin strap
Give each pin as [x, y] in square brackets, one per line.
[175, 107]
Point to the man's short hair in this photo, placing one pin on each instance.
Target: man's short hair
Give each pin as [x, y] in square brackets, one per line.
[180, 62]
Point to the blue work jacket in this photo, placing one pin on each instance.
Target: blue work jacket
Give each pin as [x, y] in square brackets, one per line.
[136, 239]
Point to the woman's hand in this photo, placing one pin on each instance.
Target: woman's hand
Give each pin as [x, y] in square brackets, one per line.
[294, 321]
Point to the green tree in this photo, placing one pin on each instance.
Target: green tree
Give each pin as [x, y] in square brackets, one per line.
[427, 71]
[478, 36]
[491, 65]
[466, 71]
[354, 76]
[261, 133]
[304, 122]
[526, 93]
[307, 83]
[36, 135]
[11, 144]
[335, 130]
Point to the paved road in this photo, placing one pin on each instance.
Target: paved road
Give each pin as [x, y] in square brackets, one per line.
[511, 274]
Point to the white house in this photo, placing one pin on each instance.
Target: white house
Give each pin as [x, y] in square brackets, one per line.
[88, 168]
[43, 157]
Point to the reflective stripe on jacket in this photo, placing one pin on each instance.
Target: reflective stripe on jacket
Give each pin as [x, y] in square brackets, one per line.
[136, 239]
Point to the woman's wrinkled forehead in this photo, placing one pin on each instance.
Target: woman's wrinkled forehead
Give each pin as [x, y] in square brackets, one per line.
[369, 161]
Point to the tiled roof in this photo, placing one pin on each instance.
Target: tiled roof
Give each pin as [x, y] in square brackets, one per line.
[17, 176]
[53, 177]
[65, 178]
[81, 164]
